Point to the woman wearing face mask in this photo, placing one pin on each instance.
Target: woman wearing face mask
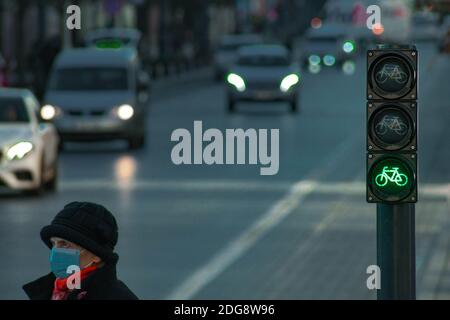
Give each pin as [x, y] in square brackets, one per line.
[82, 238]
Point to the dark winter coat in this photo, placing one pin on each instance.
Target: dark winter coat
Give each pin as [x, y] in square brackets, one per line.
[100, 285]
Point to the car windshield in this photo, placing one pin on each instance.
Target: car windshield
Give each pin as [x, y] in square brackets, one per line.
[263, 60]
[13, 110]
[80, 79]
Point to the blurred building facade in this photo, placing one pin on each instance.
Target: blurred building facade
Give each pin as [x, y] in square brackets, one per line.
[32, 32]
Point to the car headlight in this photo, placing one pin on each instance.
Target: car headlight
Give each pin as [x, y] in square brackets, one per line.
[236, 81]
[348, 46]
[315, 69]
[329, 60]
[19, 150]
[349, 67]
[49, 112]
[288, 82]
[125, 112]
[314, 60]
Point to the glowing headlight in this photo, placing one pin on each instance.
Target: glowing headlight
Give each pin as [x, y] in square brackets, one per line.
[348, 67]
[19, 150]
[236, 81]
[314, 60]
[48, 112]
[288, 82]
[329, 60]
[348, 46]
[125, 112]
[315, 69]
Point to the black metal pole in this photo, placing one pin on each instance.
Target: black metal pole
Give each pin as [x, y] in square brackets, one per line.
[396, 254]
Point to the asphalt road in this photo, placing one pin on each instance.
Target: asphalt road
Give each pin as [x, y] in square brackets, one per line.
[213, 232]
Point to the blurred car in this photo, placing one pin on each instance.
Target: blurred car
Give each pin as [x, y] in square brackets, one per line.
[425, 26]
[3, 81]
[226, 53]
[28, 147]
[93, 94]
[326, 47]
[263, 73]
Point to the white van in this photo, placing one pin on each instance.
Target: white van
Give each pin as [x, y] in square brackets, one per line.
[93, 94]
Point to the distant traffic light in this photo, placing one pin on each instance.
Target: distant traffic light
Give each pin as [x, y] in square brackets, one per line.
[392, 124]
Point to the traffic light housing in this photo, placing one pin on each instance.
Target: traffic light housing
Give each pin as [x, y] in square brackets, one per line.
[392, 73]
[392, 124]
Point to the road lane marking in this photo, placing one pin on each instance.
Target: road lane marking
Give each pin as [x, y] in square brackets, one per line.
[237, 248]
[262, 226]
[199, 279]
[284, 276]
[345, 188]
[175, 185]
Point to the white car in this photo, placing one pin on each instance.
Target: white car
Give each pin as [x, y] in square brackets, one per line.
[95, 94]
[263, 73]
[28, 146]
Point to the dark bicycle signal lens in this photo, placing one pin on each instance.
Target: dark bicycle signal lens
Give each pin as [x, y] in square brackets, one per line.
[392, 76]
[391, 179]
[391, 128]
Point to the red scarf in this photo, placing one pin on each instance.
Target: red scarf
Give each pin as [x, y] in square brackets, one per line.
[61, 291]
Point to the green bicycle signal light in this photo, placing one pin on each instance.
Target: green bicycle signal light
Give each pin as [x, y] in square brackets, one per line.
[391, 175]
[392, 178]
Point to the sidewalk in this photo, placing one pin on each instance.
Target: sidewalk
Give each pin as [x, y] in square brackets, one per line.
[435, 283]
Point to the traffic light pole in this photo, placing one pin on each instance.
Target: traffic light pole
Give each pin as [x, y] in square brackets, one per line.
[396, 251]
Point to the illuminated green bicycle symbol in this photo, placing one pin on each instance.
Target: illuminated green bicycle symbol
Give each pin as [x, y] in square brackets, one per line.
[391, 175]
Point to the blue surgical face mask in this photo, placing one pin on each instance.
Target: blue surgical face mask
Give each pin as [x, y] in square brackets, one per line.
[61, 259]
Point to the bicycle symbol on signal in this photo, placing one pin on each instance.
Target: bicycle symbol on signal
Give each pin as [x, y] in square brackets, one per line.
[382, 179]
[391, 71]
[393, 123]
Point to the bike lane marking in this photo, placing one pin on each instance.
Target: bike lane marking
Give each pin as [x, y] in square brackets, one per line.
[236, 248]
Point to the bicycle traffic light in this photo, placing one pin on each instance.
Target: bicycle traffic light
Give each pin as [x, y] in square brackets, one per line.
[392, 124]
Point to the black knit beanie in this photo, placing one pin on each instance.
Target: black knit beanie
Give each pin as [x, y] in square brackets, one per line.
[89, 225]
